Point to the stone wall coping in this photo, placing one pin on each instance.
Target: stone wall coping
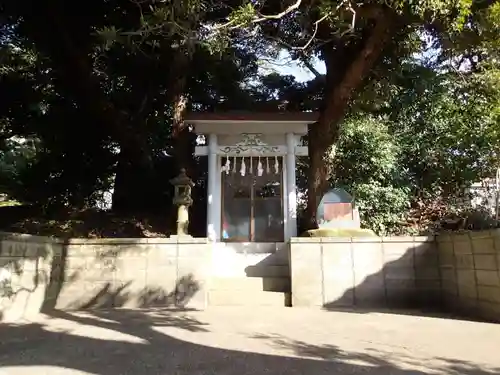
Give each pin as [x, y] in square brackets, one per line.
[466, 236]
[135, 241]
[443, 237]
[305, 239]
[409, 239]
[400, 239]
[115, 241]
[6, 236]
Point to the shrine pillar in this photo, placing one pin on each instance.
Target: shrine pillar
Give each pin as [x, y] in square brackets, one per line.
[291, 187]
[213, 191]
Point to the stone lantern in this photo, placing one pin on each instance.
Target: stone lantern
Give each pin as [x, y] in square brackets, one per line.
[182, 199]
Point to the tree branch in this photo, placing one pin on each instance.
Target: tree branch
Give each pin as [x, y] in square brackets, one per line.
[311, 67]
[337, 99]
[260, 18]
[290, 9]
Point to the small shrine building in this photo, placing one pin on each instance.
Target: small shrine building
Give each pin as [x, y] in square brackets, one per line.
[251, 189]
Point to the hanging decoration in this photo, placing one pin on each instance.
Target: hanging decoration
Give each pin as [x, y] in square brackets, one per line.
[227, 167]
[223, 168]
[231, 166]
[243, 167]
[251, 144]
[260, 170]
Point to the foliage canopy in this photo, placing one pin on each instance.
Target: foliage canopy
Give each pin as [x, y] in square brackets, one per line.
[93, 98]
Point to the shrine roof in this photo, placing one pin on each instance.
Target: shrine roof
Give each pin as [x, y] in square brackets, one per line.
[237, 116]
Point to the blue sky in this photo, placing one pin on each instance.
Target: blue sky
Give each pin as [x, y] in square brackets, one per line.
[284, 65]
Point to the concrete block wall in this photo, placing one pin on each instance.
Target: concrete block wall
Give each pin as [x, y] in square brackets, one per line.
[470, 268]
[461, 272]
[25, 269]
[399, 272]
[39, 272]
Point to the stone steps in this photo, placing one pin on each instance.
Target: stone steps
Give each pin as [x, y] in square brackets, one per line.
[271, 290]
[250, 276]
[251, 284]
[248, 298]
[268, 271]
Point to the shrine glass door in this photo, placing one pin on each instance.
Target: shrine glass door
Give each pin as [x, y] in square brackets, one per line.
[252, 200]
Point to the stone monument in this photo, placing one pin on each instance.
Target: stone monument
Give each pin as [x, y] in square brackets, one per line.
[182, 199]
[336, 210]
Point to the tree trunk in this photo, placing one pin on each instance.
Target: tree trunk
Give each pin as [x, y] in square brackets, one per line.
[324, 135]
[77, 78]
[134, 174]
[77, 71]
[132, 185]
[181, 135]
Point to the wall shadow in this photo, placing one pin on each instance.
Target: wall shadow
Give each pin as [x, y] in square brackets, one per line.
[39, 274]
[56, 278]
[121, 342]
[405, 295]
[277, 259]
[21, 269]
[274, 271]
[110, 295]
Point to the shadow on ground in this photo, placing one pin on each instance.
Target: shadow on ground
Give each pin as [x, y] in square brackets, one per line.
[375, 361]
[124, 342]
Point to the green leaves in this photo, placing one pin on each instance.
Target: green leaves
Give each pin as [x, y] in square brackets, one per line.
[382, 208]
[108, 36]
[439, 134]
[242, 16]
[368, 166]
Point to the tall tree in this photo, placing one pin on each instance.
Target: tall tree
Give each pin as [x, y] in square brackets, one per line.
[112, 109]
[354, 39]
